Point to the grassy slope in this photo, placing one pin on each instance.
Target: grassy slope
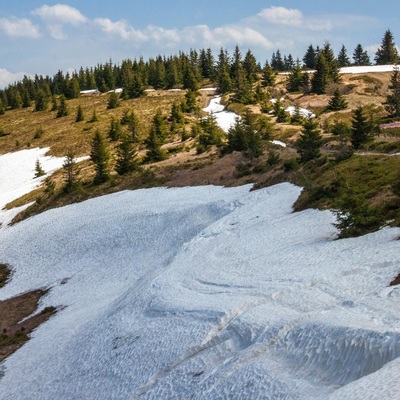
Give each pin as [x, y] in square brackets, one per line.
[370, 177]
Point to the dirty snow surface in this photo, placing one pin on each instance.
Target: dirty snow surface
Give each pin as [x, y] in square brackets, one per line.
[203, 293]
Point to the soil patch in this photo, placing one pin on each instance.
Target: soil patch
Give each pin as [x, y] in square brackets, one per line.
[14, 328]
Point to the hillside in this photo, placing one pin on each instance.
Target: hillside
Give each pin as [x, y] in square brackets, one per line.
[201, 291]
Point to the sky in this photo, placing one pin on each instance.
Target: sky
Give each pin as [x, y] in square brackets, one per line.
[42, 37]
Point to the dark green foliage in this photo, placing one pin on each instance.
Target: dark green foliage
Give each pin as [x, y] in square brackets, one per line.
[387, 52]
[393, 100]
[41, 101]
[69, 166]
[268, 75]
[79, 114]
[295, 79]
[337, 102]
[115, 130]
[273, 158]
[99, 155]
[360, 56]
[62, 110]
[94, 117]
[136, 88]
[38, 133]
[189, 105]
[361, 128]
[243, 92]
[208, 133]
[310, 57]
[279, 112]
[126, 156]
[341, 129]
[309, 142]
[113, 100]
[251, 67]
[2, 107]
[54, 104]
[277, 62]
[342, 58]
[244, 137]
[176, 118]
[156, 138]
[130, 120]
[296, 118]
[38, 169]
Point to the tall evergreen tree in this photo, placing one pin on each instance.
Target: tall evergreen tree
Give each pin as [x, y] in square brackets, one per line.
[79, 114]
[70, 172]
[41, 101]
[342, 58]
[99, 155]
[361, 128]
[337, 101]
[268, 75]
[393, 99]
[115, 130]
[295, 79]
[113, 100]
[309, 142]
[387, 52]
[251, 67]
[310, 57]
[360, 56]
[125, 156]
[62, 110]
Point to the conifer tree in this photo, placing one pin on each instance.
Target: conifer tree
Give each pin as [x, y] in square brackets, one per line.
[393, 99]
[94, 117]
[251, 67]
[295, 79]
[62, 110]
[79, 114]
[342, 58]
[208, 133]
[54, 104]
[387, 52]
[337, 101]
[70, 173]
[38, 169]
[136, 88]
[156, 138]
[310, 57]
[115, 130]
[2, 107]
[361, 128]
[309, 142]
[125, 156]
[99, 155]
[268, 75]
[360, 56]
[113, 100]
[41, 101]
[130, 120]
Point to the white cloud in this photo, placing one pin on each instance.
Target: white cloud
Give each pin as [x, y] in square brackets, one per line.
[282, 16]
[16, 27]
[57, 16]
[121, 29]
[7, 77]
[60, 13]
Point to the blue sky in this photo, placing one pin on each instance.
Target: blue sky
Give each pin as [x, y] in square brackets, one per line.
[44, 36]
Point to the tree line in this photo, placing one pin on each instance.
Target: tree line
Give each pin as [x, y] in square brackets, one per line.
[190, 70]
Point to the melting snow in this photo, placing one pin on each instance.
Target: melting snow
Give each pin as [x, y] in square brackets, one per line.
[224, 119]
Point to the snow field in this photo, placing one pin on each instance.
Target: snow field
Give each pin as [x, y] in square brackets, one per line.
[206, 293]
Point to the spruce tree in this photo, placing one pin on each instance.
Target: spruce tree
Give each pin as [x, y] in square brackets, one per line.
[62, 110]
[54, 104]
[268, 75]
[125, 156]
[70, 173]
[38, 169]
[360, 56]
[342, 58]
[310, 57]
[337, 101]
[41, 101]
[208, 133]
[251, 67]
[79, 114]
[387, 52]
[99, 155]
[393, 100]
[94, 117]
[115, 130]
[309, 142]
[156, 138]
[136, 88]
[295, 79]
[130, 120]
[361, 128]
[113, 100]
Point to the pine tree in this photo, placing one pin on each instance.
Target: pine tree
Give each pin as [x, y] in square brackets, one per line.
[136, 88]
[361, 128]
[2, 107]
[342, 58]
[99, 155]
[62, 110]
[360, 56]
[156, 138]
[309, 142]
[41, 101]
[310, 57]
[38, 169]
[115, 130]
[70, 173]
[319, 80]
[132, 123]
[268, 75]
[79, 114]
[54, 104]
[94, 117]
[125, 156]
[295, 79]
[251, 67]
[337, 101]
[113, 100]
[387, 52]
[393, 99]
[208, 133]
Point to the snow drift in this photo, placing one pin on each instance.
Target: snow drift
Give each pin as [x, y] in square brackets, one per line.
[203, 293]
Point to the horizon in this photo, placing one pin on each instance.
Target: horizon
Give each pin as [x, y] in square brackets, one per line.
[44, 37]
